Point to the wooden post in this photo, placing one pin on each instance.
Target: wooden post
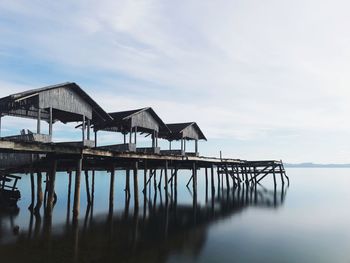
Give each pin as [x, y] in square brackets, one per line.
[32, 188]
[274, 176]
[175, 185]
[135, 133]
[136, 189]
[51, 190]
[88, 129]
[39, 192]
[185, 145]
[127, 182]
[87, 186]
[124, 134]
[83, 129]
[111, 191]
[95, 138]
[194, 180]
[38, 122]
[227, 178]
[166, 181]
[76, 202]
[206, 184]
[170, 145]
[145, 178]
[69, 196]
[130, 136]
[50, 123]
[212, 181]
[217, 170]
[196, 146]
[156, 139]
[281, 172]
[182, 144]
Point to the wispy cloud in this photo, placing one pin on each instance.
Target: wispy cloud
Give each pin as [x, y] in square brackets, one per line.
[245, 70]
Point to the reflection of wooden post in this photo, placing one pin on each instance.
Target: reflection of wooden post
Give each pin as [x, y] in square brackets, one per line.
[76, 202]
[136, 188]
[40, 196]
[51, 190]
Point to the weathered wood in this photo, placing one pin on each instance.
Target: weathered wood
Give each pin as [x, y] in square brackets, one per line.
[76, 202]
[87, 186]
[136, 188]
[39, 192]
[111, 191]
[32, 190]
[166, 181]
[51, 188]
[50, 122]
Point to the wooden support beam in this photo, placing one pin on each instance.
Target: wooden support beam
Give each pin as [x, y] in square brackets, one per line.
[83, 129]
[32, 190]
[111, 191]
[227, 178]
[88, 129]
[166, 181]
[212, 181]
[127, 181]
[51, 188]
[39, 192]
[50, 123]
[87, 186]
[136, 188]
[76, 202]
[38, 128]
[145, 178]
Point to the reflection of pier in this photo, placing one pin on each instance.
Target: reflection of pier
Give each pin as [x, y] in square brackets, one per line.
[156, 231]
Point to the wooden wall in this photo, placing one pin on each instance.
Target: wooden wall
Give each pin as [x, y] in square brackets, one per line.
[66, 100]
[144, 119]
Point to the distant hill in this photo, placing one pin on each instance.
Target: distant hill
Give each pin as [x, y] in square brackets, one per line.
[316, 165]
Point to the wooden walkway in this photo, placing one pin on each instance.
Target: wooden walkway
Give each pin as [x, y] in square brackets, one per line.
[53, 157]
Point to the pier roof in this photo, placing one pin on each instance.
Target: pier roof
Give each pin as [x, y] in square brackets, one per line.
[68, 101]
[145, 119]
[186, 130]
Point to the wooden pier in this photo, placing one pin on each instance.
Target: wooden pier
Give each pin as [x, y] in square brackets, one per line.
[37, 153]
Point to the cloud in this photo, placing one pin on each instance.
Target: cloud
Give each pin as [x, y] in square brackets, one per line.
[245, 70]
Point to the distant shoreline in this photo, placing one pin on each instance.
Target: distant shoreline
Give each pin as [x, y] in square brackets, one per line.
[314, 165]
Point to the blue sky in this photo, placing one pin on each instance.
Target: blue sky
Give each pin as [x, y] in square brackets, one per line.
[263, 79]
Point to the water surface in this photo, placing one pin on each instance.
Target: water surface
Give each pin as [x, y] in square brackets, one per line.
[309, 221]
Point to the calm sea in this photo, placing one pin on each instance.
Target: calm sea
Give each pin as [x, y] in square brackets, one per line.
[309, 221]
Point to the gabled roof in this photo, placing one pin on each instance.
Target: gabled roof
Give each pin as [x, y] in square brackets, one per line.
[121, 117]
[98, 112]
[176, 130]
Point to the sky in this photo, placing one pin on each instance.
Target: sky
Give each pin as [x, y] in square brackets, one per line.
[263, 79]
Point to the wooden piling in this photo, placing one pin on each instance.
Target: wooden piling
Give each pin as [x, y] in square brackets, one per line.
[39, 192]
[111, 191]
[87, 186]
[136, 189]
[51, 188]
[76, 202]
[32, 190]
[166, 181]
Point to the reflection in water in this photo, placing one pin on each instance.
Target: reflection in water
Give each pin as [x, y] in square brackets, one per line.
[163, 227]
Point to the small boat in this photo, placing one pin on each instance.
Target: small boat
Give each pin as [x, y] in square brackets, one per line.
[9, 194]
